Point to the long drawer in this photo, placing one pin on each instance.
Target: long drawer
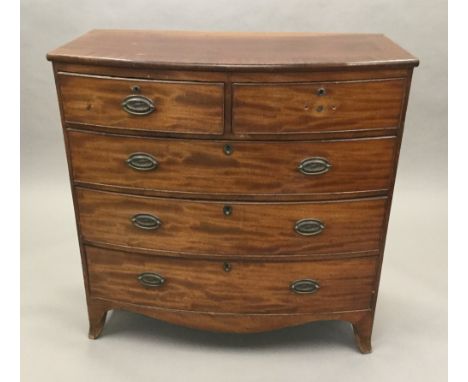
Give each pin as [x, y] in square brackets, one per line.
[234, 287]
[241, 229]
[161, 106]
[233, 167]
[279, 108]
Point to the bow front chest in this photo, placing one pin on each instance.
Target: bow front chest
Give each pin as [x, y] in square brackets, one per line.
[235, 182]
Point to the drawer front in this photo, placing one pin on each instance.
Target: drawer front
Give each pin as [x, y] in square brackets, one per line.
[248, 287]
[251, 168]
[317, 107]
[164, 106]
[200, 227]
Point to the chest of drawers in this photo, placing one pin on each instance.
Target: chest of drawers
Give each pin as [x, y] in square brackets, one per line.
[233, 182]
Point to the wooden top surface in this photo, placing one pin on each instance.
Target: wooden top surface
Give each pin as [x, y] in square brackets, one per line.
[231, 50]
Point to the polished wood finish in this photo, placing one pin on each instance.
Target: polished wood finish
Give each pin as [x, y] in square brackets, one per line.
[232, 51]
[199, 227]
[97, 318]
[262, 169]
[230, 322]
[300, 108]
[246, 76]
[249, 287]
[186, 107]
[363, 331]
[259, 94]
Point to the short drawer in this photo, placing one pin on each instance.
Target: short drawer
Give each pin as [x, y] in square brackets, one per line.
[233, 168]
[232, 287]
[162, 106]
[241, 229]
[317, 107]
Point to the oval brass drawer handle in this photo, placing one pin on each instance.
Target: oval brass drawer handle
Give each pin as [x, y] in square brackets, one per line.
[314, 166]
[305, 286]
[309, 227]
[142, 162]
[146, 221]
[138, 105]
[152, 280]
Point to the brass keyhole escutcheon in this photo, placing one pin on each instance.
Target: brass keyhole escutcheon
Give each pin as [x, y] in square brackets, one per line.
[227, 210]
[227, 267]
[228, 149]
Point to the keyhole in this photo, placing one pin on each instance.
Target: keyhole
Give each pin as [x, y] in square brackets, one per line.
[228, 149]
[227, 267]
[227, 210]
[135, 89]
[321, 92]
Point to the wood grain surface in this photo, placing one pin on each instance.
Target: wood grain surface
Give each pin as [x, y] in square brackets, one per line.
[199, 227]
[260, 94]
[298, 108]
[222, 322]
[186, 107]
[249, 287]
[232, 50]
[255, 76]
[253, 169]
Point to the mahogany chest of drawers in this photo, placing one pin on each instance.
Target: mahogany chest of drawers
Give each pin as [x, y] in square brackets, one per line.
[233, 182]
